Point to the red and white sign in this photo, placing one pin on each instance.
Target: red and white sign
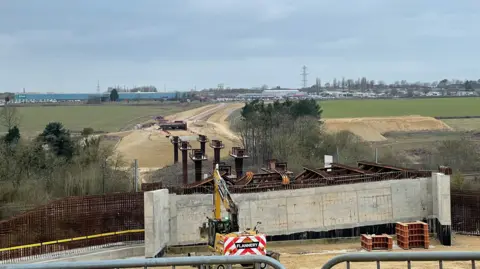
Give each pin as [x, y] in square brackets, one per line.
[245, 245]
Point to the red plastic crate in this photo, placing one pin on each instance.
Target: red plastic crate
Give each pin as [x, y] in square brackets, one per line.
[376, 242]
[412, 235]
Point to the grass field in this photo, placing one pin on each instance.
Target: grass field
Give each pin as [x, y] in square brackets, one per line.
[401, 107]
[101, 118]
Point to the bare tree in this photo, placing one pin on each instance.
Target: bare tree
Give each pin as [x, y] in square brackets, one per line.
[9, 116]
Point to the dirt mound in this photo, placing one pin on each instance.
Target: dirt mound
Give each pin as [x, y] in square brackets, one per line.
[371, 129]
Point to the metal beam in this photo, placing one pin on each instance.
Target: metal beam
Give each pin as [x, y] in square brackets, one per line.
[319, 172]
[353, 169]
[383, 166]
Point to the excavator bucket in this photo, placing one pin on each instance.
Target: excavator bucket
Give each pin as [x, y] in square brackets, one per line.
[203, 231]
[274, 255]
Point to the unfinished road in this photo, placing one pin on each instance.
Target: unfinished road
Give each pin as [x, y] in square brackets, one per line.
[152, 148]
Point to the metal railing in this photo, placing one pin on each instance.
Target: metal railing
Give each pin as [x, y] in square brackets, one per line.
[200, 261]
[408, 257]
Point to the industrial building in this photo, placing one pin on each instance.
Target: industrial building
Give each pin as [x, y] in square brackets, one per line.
[81, 97]
[273, 94]
[280, 92]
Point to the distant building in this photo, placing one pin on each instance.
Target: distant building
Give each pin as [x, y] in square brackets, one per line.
[280, 93]
[81, 97]
[273, 94]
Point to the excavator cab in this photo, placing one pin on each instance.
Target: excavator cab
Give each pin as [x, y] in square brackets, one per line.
[214, 227]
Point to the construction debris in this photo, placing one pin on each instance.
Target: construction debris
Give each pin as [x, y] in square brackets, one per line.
[175, 125]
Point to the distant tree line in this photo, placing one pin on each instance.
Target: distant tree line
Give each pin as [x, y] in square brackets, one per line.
[364, 84]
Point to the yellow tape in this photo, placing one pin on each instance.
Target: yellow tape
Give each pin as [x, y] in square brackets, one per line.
[137, 231]
[72, 239]
[94, 236]
[20, 247]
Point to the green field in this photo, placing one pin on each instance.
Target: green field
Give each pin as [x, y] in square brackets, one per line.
[401, 107]
[99, 117]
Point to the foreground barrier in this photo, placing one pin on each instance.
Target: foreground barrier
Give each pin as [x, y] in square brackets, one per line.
[407, 257]
[259, 261]
[197, 261]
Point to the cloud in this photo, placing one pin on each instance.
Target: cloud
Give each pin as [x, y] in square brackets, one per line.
[221, 39]
[342, 43]
[255, 43]
[263, 10]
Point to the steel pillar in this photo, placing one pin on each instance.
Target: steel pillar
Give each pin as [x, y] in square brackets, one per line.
[217, 145]
[184, 147]
[239, 154]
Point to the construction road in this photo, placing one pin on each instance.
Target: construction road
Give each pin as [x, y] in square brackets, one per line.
[152, 148]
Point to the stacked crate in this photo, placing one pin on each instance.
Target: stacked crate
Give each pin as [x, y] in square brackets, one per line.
[376, 242]
[412, 235]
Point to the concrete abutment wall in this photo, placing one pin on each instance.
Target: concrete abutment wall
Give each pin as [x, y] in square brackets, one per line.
[325, 211]
[157, 226]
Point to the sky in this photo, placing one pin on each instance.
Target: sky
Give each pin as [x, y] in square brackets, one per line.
[67, 46]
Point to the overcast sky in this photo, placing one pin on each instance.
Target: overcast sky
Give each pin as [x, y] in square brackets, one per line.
[67, 45]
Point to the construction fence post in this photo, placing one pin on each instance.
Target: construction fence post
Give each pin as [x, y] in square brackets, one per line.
[135, 174]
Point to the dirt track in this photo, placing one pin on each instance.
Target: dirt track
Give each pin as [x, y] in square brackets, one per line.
[153, 149]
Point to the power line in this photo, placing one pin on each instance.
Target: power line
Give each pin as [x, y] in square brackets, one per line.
[304, 76]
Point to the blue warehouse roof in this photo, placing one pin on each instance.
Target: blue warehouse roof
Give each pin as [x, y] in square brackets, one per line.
[86, 96]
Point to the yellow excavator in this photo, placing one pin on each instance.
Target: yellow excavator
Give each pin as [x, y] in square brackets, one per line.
[224, 235]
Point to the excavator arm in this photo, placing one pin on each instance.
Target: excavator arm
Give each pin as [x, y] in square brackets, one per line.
[223, 196]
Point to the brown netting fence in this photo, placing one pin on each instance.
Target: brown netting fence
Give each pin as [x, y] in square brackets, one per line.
[465, 212]
[73, 217]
